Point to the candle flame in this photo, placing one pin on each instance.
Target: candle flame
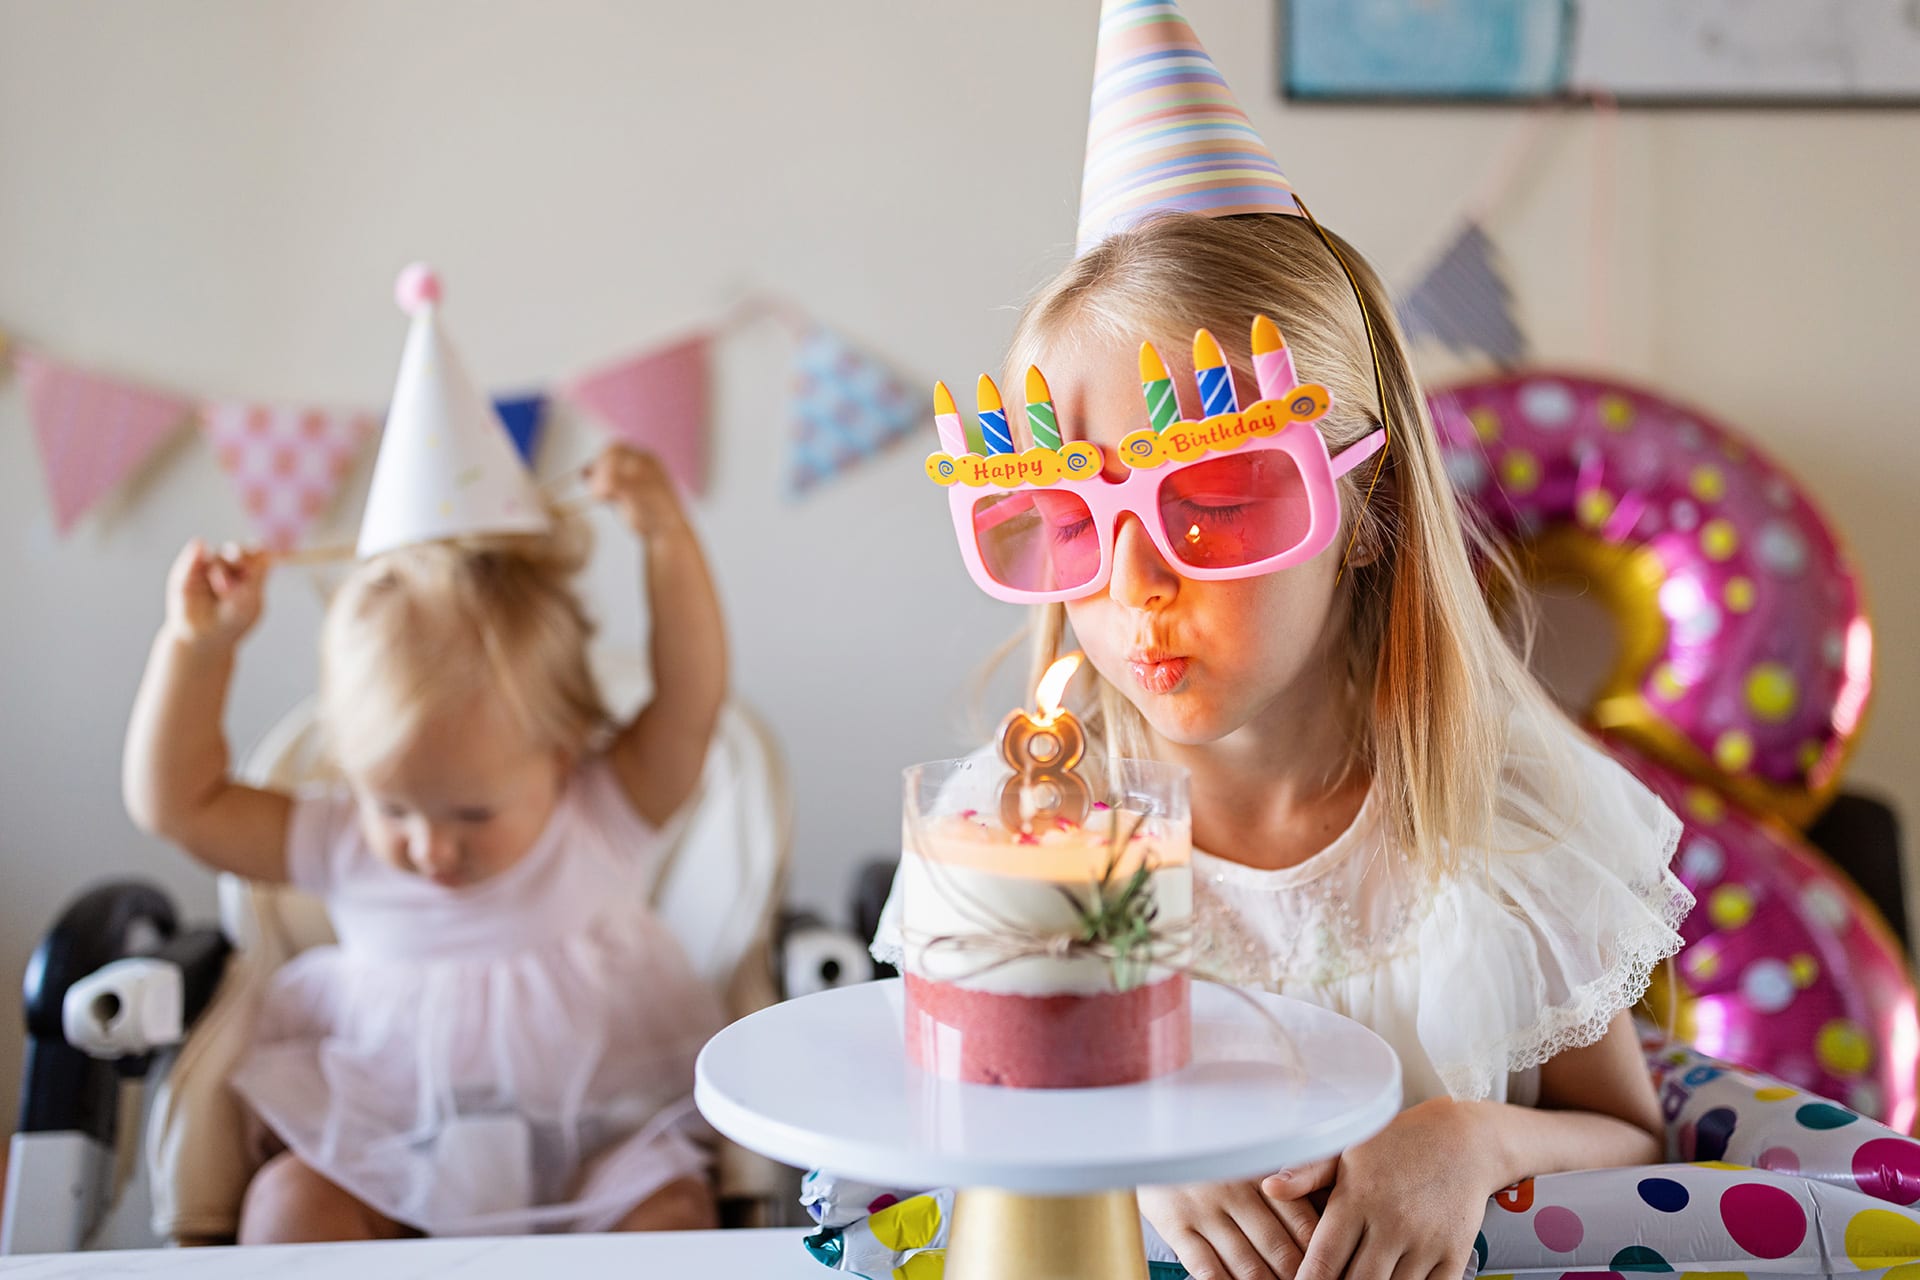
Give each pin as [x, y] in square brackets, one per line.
[1053, 684]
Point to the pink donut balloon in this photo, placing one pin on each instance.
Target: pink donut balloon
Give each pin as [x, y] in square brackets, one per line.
[1745, 654]
[1787, 968]
[1745, 665]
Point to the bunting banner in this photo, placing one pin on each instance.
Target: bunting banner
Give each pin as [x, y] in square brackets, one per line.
[1463, 302]
[93, 432]
[847, 408]
[525, 417]
[657, 401]
[286, 464]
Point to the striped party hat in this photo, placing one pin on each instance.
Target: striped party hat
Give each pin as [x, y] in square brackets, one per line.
[1165, 131]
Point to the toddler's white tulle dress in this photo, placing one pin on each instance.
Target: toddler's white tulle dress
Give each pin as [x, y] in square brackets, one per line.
[512, 1056]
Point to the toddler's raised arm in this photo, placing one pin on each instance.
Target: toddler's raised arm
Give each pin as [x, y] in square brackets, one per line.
[659, 756]
[174, 774]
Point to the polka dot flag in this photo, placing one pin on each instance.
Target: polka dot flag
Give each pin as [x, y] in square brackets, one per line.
[847, 408]
[286, 464]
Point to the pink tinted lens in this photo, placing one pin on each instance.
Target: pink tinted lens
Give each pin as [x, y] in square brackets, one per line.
[1037, 540]
[1227, 512]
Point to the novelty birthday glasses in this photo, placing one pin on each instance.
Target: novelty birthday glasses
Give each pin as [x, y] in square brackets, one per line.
[1239, 493]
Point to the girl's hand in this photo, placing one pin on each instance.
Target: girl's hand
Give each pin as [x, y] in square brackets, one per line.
[213, 600]
[639, 486]
[1230, 1230]
[1406, 1204]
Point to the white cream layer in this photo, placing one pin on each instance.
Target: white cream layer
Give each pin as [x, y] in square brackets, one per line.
[947, 899]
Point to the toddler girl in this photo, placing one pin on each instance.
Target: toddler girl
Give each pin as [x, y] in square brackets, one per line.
[503, 1039]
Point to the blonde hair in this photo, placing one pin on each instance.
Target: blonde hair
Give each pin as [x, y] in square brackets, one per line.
[419, 630]
[1434, 686]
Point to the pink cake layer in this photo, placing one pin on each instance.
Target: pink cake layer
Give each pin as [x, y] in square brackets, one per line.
[1049, 1042]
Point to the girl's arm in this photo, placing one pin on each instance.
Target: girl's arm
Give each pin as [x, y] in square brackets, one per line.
[1409, 1200]
[174, 772]
[658, 757]
[1597, 1110]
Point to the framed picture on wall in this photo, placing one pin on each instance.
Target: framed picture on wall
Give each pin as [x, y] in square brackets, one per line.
[1640, 52]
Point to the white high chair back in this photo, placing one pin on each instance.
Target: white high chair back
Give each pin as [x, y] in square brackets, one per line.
[719, 890]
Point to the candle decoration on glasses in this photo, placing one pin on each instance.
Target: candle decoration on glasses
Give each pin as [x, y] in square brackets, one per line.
[1041, 421]
[1044, 750]
[987, 457]
[993, 417]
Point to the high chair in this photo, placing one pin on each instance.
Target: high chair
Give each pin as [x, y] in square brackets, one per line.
[720, 888]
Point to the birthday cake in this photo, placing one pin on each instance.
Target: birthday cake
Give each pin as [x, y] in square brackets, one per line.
[1047, 958]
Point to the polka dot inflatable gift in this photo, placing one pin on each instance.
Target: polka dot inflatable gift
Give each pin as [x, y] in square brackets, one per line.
[1697, 1219]
[874, 1232]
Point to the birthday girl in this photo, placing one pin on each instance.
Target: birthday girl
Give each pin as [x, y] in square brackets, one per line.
[1397, 824]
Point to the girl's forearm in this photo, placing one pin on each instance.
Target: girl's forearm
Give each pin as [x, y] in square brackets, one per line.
[689, 640]
[1525, 1142]
[176, 756]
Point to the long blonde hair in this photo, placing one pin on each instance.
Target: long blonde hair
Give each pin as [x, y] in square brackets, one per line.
[420, 630]
[1435, 687]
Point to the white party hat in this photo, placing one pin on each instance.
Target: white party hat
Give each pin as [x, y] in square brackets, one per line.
[447, 467]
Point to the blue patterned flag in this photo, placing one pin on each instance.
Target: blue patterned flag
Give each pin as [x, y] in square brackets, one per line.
[1463, 301]
[525, 418]
[847, 408]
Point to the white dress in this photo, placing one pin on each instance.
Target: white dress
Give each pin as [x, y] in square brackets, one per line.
[511, 1056]
[1529, 949]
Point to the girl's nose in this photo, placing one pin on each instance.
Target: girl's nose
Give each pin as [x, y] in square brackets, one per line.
[1142, 578]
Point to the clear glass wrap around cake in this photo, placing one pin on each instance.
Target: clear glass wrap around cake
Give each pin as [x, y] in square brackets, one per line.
[1048, 953]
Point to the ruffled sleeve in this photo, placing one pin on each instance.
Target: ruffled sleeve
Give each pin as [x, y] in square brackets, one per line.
[1540, 942]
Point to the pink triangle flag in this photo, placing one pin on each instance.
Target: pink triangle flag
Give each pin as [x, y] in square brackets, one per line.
[286, 464]
[657, 401]
[93, 431]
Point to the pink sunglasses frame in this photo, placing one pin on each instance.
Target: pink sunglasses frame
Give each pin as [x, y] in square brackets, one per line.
[1138, 494]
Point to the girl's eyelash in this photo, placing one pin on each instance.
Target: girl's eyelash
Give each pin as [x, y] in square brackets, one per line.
[1070, 532]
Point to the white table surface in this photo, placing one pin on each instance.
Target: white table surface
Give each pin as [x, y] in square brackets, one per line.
[823, 1082]
[692, 1255]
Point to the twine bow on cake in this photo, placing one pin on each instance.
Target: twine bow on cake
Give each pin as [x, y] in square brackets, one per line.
[1119, 926]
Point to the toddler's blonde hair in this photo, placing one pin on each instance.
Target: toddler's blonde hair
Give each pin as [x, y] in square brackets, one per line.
[416, 631]
[1434, 688]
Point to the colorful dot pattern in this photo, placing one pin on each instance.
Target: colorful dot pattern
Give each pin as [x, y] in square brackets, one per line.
[1753, 588]
[876, 1232]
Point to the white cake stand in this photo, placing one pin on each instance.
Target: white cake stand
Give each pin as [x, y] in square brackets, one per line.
[1047, 1174]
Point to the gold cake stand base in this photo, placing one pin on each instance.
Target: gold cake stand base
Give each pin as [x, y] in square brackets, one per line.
[998, 1234]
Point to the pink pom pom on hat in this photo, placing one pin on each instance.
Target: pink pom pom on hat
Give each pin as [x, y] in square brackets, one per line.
[417, 288]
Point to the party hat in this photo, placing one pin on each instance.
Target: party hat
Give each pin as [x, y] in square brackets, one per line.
[1165, 131]
[447, 466]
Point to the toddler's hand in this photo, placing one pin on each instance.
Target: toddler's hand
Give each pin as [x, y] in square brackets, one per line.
[639, 486]
[213, 600]
[1230, 1230]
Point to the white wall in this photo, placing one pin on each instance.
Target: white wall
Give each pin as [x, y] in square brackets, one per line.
[216, 195]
